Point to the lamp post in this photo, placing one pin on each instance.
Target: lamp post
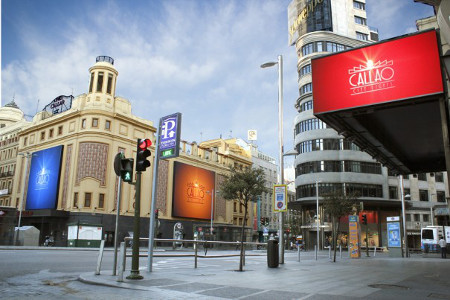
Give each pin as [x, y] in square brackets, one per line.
[212, 210]
[405, 234]
[26, 155]
[280, 141]
[317, 217]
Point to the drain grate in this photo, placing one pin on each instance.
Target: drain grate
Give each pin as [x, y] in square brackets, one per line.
[388, 286]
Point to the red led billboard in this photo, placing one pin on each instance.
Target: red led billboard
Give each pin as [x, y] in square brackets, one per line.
[192, 191]
[399, 69]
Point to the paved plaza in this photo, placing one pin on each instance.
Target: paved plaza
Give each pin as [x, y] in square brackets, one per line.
[374, 277]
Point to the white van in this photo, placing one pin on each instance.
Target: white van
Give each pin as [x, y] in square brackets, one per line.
[430, 236]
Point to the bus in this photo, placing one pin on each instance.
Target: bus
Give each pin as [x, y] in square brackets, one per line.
[430, 236]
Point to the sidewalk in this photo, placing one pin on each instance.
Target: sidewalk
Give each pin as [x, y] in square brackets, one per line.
[379, 277]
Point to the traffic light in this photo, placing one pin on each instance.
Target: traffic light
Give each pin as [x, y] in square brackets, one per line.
[126, 169]
[142, 153]
[156, 213]
[364, 219]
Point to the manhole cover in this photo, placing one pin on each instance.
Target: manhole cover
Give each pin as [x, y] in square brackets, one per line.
[388, 286]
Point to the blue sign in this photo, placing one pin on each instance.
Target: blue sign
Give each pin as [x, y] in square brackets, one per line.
[169, 136]
[353, 218]
[43, 180]
[394, 238]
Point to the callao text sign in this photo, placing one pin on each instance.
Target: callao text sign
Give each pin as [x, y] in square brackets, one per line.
[169, 136]
[399, 69]
[279, 197]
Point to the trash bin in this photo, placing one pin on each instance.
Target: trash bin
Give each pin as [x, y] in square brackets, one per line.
[272, 254]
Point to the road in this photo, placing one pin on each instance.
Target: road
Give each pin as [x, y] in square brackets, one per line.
[53, 274]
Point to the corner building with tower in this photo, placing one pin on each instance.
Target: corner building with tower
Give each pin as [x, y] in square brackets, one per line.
[328, 161]
[57, 172]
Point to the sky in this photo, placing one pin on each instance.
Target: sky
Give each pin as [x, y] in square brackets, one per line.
[198, 57]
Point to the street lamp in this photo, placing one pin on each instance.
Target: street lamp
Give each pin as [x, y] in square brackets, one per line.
[26, 155]
[212, 210]
[280, 141]
[405, 235]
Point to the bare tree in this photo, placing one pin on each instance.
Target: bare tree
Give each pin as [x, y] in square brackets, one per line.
[243, 186]
[337, 204]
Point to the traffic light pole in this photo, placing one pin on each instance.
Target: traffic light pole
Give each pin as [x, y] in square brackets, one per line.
[119, 194]
[136, 232]
[151, 230]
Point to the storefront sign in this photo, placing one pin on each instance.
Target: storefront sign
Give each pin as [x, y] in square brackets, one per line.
[404, 68]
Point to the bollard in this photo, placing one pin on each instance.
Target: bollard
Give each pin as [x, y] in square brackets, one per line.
[196, 250]
[100, 257]
[374, 250]
[340, 251]
[298, 250]
[315, 250]
[329, 252]
[122, 261]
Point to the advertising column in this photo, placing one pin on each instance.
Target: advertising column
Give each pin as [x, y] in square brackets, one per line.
[394, 237]
[354, 246]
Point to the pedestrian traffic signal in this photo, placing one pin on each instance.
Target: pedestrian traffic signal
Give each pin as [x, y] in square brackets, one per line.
[364, 219]
[126, 169]
[142, 153]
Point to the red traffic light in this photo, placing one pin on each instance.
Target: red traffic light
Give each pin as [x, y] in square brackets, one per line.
[145, 143]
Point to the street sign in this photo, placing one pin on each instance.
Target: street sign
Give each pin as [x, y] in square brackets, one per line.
[169, 136]
[279, 197]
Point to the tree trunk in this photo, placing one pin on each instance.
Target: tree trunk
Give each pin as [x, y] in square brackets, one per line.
[241, 261]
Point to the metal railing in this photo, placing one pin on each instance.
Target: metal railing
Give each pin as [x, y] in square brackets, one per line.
[196, 255]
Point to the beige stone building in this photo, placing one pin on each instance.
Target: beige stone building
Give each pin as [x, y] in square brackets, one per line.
[87, 132]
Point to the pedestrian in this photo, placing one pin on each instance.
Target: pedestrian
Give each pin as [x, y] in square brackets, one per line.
[443, 245]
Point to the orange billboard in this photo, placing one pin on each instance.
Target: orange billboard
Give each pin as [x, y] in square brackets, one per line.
[193, 190]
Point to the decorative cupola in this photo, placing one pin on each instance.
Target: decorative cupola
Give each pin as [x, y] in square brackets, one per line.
[102, 85]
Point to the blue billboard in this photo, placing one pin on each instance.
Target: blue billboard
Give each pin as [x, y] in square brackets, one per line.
[43, 180]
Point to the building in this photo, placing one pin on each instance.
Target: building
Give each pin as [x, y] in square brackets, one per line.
[65, 175]
[329, 161]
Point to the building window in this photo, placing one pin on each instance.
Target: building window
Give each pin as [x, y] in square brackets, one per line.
[393, 192]
[426, 218]
[25, 140]
[422, 176]
[83, 123]
[362, 36]
[87, 199]
[423, 195]
[359, 5]
[308, 105]
[408, 217]
[100, 82]
[60, 130]
[109, 84]
[440, 196]
[305, 70]
[360, 21]
[50, 133]
[42, 135]
[416, 218]
[307, 88]
[108, 125]
[439, 177]
[91, 83]
[407, 193]
[95, 122]
[101, 200]
[75, 199]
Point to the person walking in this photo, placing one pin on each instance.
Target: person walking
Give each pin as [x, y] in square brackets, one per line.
[443, 245]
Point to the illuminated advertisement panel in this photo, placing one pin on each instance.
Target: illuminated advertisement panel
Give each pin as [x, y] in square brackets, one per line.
[399, 69]
[307, 16]
[192, 191]
[43, 180]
